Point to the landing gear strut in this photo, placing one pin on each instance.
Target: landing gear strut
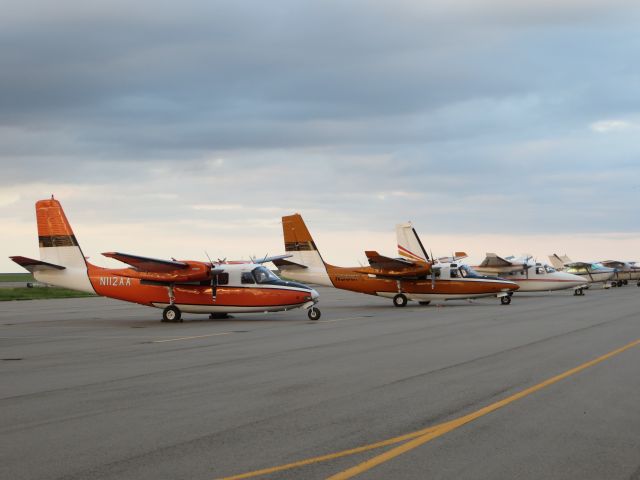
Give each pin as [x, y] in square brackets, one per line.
[171, 314]
[313, 313]
[400, 300]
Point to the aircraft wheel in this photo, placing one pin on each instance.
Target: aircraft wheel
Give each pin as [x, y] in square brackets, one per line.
[614, 284]
[425, 302]
[506, 300]
[625, 282]
[639, 284]
[619, 283]
[578, 292]
[171, 314]
[314, 313]
[400, 300]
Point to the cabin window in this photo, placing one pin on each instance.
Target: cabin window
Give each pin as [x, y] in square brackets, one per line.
[247, 278]
[549, 269]
[222, 279]
[540, 270]
[454, 273]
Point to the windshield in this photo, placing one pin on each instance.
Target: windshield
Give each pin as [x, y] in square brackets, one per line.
[264, 275]
[467, 271]
[549, 269]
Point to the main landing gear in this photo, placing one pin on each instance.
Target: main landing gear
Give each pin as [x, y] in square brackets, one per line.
[314, 313]
[506, 300]
[578, 292]
[171, 314]
[400, 300]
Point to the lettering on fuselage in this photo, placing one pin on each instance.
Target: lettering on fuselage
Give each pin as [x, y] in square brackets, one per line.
[115, 282]
[346, 278]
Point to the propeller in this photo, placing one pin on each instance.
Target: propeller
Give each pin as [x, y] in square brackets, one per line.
[433, 273]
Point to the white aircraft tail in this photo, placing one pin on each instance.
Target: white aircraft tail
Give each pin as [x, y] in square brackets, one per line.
[62, 262]
[558, 261]
[409, 244]
[305, 263]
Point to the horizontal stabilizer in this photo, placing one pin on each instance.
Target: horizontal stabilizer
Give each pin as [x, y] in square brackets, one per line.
[284, 264]
[145, 264]
[35, 265]
[493, 260]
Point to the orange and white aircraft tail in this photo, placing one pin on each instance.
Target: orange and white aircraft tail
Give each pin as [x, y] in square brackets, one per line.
[409, 244]
[306, 263]
[62, 262]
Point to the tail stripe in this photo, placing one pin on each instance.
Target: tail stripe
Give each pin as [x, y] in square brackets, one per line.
[58, 241]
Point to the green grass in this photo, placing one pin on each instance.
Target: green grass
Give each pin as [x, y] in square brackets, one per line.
[16, 277]
[24, 293]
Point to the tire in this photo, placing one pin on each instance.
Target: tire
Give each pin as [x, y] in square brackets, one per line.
[400, 300]
[613, 284]
[506, 300]
[314, 313]
[171, 314]
[427, 302]
[619, 283]
[625, 282]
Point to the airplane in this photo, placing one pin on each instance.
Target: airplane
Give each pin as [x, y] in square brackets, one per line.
[590, 271]
[176, 286]
[401, 279]
[625, 271]
[530, 275]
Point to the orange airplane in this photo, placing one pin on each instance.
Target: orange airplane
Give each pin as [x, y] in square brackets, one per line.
[415, 277]
[175, 286]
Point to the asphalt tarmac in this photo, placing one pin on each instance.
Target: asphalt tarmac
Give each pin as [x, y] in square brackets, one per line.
[94, 388]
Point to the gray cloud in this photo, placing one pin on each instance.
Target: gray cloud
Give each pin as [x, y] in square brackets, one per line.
[467, 114]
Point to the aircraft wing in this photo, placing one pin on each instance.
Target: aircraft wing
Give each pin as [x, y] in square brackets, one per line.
[396, 268]
[387, 263]
[146, 264]
[273, 259]
[578, 264]
[35, 265]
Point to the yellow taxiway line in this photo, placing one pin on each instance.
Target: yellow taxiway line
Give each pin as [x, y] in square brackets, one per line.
[191, 338]
[415, 439]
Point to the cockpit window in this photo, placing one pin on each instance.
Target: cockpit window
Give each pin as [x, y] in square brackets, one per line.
[539, 270]
[549, 269]
[454, 273]
[264, 275]
[467, 272]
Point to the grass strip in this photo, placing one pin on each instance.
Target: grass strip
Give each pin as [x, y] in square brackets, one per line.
[24, 293]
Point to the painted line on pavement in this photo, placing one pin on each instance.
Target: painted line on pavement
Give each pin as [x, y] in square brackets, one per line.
[415, 439]
[192, 338]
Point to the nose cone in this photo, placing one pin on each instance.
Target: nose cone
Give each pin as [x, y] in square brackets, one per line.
[514, 286]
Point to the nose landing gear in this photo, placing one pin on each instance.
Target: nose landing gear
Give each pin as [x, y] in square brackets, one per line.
[506, 300]
[314, 313]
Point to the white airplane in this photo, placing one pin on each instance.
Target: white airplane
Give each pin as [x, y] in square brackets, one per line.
[625, 271]
[532, 276]
[593, 272]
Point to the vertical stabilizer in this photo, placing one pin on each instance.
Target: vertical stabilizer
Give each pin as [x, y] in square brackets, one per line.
[409, 244]
[306, 263]
[58, 245]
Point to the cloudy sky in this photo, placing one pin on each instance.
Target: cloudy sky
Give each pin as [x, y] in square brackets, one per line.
[174, 128]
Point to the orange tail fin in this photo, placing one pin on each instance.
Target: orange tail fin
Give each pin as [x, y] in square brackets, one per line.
[53, 227]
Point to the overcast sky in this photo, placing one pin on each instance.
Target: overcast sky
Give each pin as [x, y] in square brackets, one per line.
[171, 129]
